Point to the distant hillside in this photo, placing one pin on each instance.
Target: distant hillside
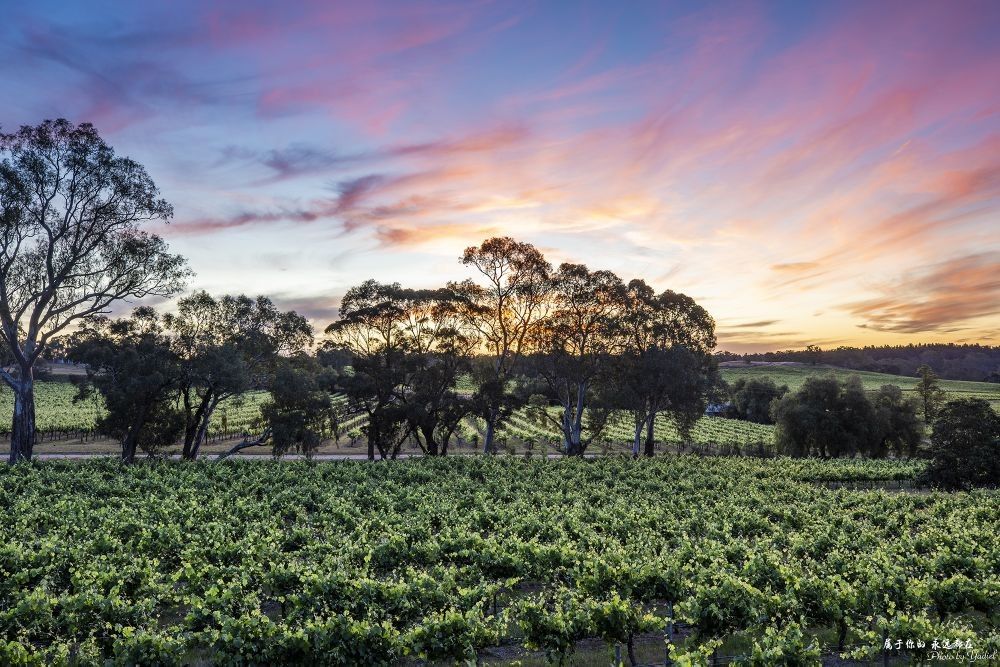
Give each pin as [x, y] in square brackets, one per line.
[980, 363]
[794, 374]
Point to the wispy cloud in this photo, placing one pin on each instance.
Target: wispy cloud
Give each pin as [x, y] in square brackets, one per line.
[776, 164]
[942, 297]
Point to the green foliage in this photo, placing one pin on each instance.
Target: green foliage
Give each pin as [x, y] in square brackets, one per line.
[899, 429]
[784, 646]
[752, 398]
[59, 412]
[796, 374]
[827, 417]
[554, 625]
[965, 446]
[131, 366]
[299, 411]
[929, 390]
[349, 563]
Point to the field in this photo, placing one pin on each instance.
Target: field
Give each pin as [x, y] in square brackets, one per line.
[500, 559]
[59, 416]
[794, 375]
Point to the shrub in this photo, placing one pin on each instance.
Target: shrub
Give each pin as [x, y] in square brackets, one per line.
[965, 446]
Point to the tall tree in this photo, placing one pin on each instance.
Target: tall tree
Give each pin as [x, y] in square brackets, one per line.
[130, 363]
[440, 350]
[930, 392]
[828, 418]
[70, 246]
[505, 309]
[752, 398]
[666, 364]
[575, 347]
[228, 346]
[375, 327]
[899, 426]
[299, 409]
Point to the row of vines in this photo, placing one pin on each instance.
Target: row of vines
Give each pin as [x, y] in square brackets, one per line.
[461, 559]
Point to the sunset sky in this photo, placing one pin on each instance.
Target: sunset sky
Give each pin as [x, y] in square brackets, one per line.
[822, 173]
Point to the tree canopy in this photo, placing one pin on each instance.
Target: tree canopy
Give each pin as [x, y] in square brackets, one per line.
[71, 245]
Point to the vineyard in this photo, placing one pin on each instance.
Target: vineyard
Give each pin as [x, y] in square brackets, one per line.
[795, 375]
[59, 416]
[491, 558]
[620, 431]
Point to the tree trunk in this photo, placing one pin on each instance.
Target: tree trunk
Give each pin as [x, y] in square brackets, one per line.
[129, 443]
[22, 432]
[372, 433]
[446, 440]
[637, 439]
[192, 421]
[131, 440]
[202, 431]
[432, 444]
[650, 433]
[577, 430]
[491, 421]
[567, 430]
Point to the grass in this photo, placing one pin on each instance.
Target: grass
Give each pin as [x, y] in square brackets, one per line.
[795, 375]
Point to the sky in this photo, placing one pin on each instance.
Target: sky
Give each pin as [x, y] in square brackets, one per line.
[810, 172]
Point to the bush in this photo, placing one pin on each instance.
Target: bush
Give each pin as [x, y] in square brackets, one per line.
[752, 399]
[830, 418]
[965, 446]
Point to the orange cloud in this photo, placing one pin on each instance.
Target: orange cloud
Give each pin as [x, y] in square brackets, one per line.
[944, 297]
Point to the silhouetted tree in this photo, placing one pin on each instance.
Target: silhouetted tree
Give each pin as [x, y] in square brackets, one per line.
[505, 311]
[440, 352]
[392, 336]
[130, 363]
[814, 354]
[575, 347]
[70, 246]
[752, 398]
[898, 424]
[227, 346]
[665, 363]
[965, 445]
[829, 418]
[930, 392]
[299, 410]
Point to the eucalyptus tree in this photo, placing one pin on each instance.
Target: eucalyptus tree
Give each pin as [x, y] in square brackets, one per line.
[228, 346]
[505, 307]
[371, 329]
[408, 349]
[300, 408]
[665, 365]
[441, 346]
[71, 246]
[575, 349]
[131, 365]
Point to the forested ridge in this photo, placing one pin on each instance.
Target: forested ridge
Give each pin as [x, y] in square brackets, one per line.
[952, 361]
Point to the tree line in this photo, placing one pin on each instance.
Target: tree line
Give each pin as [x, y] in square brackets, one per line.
[73, 245]
[952, 361]
[583, 342]
[573, 345]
